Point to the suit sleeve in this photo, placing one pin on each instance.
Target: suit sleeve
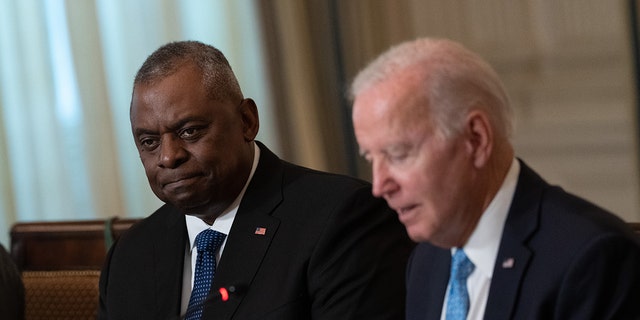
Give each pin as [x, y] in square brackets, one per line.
[603, 282]
[357, 268]
[104, 275]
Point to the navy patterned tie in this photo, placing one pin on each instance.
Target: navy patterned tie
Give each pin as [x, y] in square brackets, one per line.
[207, 242]
[458, 299]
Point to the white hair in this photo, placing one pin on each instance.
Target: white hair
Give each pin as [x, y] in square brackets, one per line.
[454, 80]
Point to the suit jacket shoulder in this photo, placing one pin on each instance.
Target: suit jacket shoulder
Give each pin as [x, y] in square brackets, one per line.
[330, 250]
[142, 275]
[572, 259]
[567, 259]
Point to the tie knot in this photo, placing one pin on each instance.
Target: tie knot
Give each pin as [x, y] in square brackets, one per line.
[209, 240]
[461, 266]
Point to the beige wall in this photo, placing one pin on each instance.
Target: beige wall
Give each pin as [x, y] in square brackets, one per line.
[568, 69]
[567, 66]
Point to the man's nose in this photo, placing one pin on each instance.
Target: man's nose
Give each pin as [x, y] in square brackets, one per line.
[382, 180]
[172, 152]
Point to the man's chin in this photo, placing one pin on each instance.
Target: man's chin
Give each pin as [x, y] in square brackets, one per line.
[186, 204]
[415, 234]
[419, 233]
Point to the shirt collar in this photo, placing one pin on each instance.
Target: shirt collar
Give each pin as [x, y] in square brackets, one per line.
[483, 244]
[223, 223]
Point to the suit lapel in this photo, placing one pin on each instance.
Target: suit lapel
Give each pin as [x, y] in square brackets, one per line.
[438, 283]
[514, 255]
[250, 236]
[427, 279]
[168, 262]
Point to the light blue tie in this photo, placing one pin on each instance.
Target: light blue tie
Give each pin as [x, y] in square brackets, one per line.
[207, 242]
[458, 299]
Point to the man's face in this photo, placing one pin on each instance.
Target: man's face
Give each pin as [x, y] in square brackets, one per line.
[422, 175]
[196, 152]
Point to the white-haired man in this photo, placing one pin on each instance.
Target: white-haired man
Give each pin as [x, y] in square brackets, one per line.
[496, 240]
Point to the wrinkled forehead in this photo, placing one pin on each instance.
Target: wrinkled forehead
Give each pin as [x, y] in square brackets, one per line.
[400, 101]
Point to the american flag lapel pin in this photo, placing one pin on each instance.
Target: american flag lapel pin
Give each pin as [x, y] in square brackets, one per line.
[508, 263]
[260, 231]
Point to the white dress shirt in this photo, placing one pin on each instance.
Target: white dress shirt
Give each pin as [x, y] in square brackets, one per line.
[483, 244]
[196, 225]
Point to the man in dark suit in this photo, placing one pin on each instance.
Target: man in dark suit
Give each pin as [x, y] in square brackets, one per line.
[294, 243]
[495, 240]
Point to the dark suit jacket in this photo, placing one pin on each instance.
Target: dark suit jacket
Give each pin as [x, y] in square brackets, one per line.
[572, 260]
[12, 299]
[331, 251]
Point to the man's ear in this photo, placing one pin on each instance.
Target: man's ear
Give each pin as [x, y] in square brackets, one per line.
[250, 120]
[480, 137]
